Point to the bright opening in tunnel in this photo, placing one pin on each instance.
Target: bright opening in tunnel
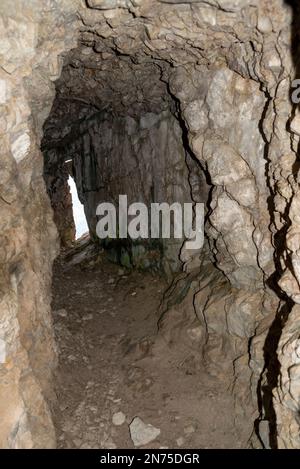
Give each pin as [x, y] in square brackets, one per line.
[81, 226]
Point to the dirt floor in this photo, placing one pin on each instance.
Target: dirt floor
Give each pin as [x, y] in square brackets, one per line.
[106, 323]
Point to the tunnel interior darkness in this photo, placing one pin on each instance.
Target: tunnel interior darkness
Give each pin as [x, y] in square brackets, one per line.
[116, 129]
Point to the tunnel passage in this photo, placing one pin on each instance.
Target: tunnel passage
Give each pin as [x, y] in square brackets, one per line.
[145, 121]
[115, 127]
[187, 100]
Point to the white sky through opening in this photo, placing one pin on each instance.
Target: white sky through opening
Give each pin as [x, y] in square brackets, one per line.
[78, 210]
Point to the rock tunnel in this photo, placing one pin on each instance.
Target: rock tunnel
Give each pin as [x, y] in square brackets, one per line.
[149, 344]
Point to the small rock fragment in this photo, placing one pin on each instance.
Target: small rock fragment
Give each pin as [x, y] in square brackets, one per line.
[142, 433]
[180, 441]
[189, 430]
[87, 317]
[61, 312]
[118, 418]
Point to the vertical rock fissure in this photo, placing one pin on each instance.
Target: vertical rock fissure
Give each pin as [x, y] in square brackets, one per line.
[271, 369]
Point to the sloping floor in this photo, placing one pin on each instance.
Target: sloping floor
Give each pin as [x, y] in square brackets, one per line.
[113, 367]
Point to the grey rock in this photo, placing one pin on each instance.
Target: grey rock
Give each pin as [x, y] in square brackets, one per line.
[118, 418]
[142, 433]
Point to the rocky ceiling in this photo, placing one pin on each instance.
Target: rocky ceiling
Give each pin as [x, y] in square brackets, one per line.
[128, 52]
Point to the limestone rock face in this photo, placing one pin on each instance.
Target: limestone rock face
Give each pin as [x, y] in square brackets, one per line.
[32, 35]
[61, 202]
[193, 100]
[287, 393]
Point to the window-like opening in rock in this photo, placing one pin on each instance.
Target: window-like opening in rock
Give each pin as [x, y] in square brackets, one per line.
[81, 226]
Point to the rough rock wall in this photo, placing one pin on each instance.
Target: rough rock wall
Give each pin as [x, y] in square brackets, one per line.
[32, 35]
[59, 193]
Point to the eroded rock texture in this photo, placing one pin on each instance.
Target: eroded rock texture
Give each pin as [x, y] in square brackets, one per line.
[170, 99]
[32, 35]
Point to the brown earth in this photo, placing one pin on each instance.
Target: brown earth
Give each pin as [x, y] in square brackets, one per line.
[111, 360]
